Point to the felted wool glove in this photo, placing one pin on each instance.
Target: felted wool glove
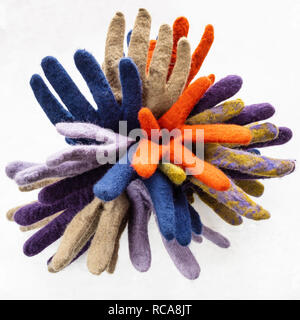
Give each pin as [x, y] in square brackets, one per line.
[139, 245]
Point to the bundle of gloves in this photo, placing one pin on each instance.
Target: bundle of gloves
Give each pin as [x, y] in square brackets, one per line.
[86, 200]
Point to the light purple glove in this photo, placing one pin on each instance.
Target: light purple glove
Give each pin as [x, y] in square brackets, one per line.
[139, 246]
[112, 148]
[74, 160]
[23, 174]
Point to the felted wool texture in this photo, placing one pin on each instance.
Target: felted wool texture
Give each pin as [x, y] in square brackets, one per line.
[111, 267]
[210, 175]
[161, 192]
[221, 133]
[177, 114]
[54, 230]
[220, 91]
[138, 218]
[233, 174]
[50, 105]
[237, 200]
[215, 237]
[114, 52]
[158, 93]
[183, 232]
[90, 153]
[76, 235]
[139, 41]
[89, 130]
[225, 213]
[56, 63]
[252, 187]
[69, 93]
[174, 173]
[247, 162]
[73, 89]
[146, 158]
[183, 259]
[108, 107]
[261, 132]
[15, 167]
[142, 259]
[197, 238]
[40, 224]
[196, 223]
[284, 135]
[201, 52]
[115, 180]
[180, 29]
[37, 211]
[112, 264]
[179, 154]
[102, 246]
[253, 113]
[82, 251]
[10, 213]
[156, 96]
[109, 111]
[218, 114]
[38, 185]
[42, 171]
[59, 190]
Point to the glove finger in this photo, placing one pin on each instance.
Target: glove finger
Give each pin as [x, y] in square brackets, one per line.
[139, 215]
[236, 200]
[247, 162]
[108, 108]
[103, 243]
[252, 187]
[11, 212]
[180, 110]
[111, 267]
[78, 232]
[114, 52]
[201, 52]
[180, 29]
[215, 237]
[64, 187]
[220, 91]
[176, 174]
[183, 259]
[161, 191]
[218, 114]
[285, 134]
[183, 231]
[115, 180]
[139, 41]
[37, 211]
[260, 133]
[68, 169]
[15, 167]
[50, 105]
[131, 92]
[220, 209]
[38, 185]
[69, 93]
[40, 224]
[195, 221]
[177, 80]
[253, 113]
[53, 230]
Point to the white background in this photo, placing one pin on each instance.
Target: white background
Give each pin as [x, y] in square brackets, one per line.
[258, 40]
